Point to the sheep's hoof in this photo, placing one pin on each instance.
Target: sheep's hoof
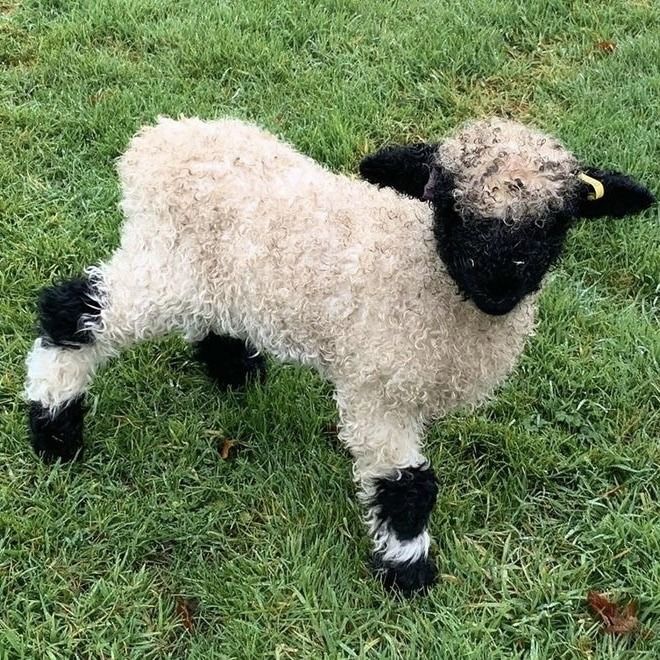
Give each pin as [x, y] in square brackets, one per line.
[407, 578]
[59, 435]
[230, 363]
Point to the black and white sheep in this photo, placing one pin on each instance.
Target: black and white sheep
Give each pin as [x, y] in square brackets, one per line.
[411, 304]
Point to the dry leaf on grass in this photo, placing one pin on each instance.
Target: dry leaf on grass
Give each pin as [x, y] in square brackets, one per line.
[185, 610]
[225, 448]
[607, 47]
[225, 445]
[615, 620]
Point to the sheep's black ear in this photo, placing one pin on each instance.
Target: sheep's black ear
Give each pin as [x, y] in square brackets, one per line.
[619, 196]
[405, 168]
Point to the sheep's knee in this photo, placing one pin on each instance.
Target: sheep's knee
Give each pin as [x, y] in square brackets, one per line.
[60, 367]
[67, 312]
[399, 506]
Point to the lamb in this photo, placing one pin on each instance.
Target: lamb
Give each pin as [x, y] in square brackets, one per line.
[412, 296]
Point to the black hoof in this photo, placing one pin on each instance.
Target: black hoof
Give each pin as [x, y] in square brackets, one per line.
[58, 436]
[230, 363]
[407, 578]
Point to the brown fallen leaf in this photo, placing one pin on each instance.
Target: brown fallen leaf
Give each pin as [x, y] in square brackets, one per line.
[607, 47]
[226, 445]
[185, 610]
[615, 620]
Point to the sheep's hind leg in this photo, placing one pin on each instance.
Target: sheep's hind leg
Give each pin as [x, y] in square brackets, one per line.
[60, 367]
[83, 322]
[231, 363]
[398, 489]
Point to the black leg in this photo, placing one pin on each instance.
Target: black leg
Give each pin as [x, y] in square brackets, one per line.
[406, 578]
[230, 362]
[57, 434]
[59, 366]
[400, 509]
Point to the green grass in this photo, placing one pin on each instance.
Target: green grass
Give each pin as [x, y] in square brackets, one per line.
[548, 492]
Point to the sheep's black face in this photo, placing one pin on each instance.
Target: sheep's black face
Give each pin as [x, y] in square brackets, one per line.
[531, 186]
[496, 265]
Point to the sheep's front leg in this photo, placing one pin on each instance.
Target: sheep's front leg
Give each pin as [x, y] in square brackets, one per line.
[398, 489]
[399, 505]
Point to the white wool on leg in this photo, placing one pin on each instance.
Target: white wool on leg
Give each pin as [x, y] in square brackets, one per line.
[397, 486]
[392, 550]
[59, 374]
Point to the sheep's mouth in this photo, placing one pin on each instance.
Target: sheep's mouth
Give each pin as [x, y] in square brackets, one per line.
[496, 307]
[489, 304]
[499, 309]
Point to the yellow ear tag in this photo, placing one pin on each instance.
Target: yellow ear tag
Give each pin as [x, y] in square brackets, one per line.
[599, 189]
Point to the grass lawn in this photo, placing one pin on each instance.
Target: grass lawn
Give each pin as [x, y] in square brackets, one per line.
[155, 546]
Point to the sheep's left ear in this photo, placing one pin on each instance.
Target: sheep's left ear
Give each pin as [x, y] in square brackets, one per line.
[406, 168]
[608, 193]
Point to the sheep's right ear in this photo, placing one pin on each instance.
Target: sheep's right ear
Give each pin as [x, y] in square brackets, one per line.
[608, 193]
[407, 169]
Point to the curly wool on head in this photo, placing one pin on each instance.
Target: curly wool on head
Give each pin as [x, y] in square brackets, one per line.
[507, 171]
